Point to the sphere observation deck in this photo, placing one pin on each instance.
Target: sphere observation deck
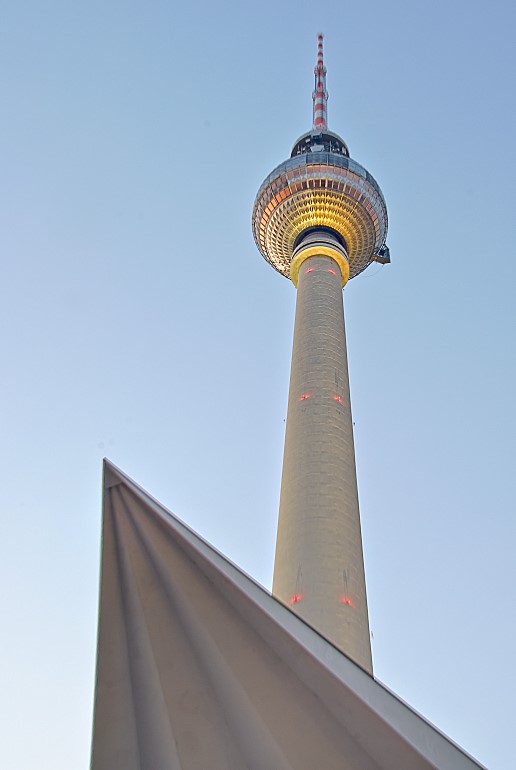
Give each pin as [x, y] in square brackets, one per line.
[320, 186]
[317, 187]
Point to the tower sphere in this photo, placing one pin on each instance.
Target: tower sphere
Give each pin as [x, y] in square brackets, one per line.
[320, 186]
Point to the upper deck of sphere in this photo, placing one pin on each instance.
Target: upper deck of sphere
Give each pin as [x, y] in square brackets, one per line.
[320, 186]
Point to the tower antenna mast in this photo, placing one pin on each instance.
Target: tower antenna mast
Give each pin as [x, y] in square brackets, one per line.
[320, 94]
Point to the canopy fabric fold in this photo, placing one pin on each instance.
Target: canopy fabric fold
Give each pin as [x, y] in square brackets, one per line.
[200, 668]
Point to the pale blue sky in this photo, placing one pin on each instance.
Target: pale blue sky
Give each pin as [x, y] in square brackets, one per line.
[140, 322]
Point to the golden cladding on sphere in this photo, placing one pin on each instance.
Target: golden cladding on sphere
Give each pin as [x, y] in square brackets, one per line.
[319, 189]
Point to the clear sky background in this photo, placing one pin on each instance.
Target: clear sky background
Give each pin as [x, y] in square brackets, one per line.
[138, 321]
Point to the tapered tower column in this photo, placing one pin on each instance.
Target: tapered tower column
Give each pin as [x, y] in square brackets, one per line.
[319, 569]
[320, 218]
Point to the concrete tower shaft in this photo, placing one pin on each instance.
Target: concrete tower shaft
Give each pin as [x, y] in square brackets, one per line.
[319, 569]
[320, 218]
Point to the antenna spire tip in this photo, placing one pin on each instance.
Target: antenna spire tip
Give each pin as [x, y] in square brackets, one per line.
[320, 94]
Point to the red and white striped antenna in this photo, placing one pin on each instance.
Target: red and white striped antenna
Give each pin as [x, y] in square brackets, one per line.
[320, 94]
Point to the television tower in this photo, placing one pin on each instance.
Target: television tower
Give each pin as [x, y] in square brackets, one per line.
[320, 219]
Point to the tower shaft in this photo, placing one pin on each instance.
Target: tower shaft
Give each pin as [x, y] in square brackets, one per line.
[319, 569]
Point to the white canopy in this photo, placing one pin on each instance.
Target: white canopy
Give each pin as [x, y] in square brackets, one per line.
[199, 668]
